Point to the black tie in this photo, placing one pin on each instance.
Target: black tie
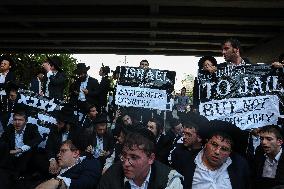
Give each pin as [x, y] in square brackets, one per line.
[250, 148]
[127, 185]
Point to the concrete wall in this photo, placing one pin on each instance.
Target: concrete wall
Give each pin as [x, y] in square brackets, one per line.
[267, 52]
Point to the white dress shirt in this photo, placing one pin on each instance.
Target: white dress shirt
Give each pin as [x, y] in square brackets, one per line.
[19, 141]
[270, 166]
[144, 184]
[205, 178]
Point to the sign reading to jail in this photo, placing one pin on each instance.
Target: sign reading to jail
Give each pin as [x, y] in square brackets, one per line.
[248, 96]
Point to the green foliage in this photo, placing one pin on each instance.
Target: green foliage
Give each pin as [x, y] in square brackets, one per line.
[26, 66]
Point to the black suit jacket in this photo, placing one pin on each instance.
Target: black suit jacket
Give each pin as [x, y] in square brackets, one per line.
[104, 88]
[10, 77]
[92, 87]
[31, 136]
[108, 142]
[259, 181]
[54, 141]
[238, 173]
[84, 175]
[34, 85]
[56, 85]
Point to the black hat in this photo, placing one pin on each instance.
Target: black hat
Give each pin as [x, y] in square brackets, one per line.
[56, 62]
[146, 133]
[66, 114]
[81, 68]
[14, 86]
[102, 118]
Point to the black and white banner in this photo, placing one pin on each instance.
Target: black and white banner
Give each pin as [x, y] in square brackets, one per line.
[145, 88]
[245, 112]
[249, 96]
[151, 78]
[141, 97]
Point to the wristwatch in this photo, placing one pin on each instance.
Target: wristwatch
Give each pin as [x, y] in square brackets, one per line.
[60, 182]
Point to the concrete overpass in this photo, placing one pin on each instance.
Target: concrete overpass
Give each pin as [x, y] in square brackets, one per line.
[168, 27]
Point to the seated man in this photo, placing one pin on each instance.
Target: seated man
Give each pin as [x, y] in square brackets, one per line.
[76, 172]
[269, 163]
[185, 153]
[19, 143]
[217, 167]
[138, 168]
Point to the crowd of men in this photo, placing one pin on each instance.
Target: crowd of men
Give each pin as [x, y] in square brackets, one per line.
[133, 148]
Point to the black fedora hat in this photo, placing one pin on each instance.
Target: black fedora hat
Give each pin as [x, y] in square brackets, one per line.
[102, 118]
[66, 114]
[56, 62]
[81, 68]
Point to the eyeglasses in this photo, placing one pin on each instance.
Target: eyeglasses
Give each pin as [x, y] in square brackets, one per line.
[131, 160]
[222, 149]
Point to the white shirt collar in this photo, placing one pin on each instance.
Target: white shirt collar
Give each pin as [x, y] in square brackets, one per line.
[146, 182]
[22, 131]
[198, 161]
[277, 157]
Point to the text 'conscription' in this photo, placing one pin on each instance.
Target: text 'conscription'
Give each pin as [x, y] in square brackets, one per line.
[141, 97]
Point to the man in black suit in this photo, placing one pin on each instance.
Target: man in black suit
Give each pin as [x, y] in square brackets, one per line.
[54, 82]
[84, 90]
[65, 128]
[101, 142]
[20, 141]
[76, 172]
[216, 166]
[269, 161]
[36, 82]
[6, 76]
[183, 155]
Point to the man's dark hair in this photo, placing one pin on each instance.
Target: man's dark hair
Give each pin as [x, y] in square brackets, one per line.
[105, 69]
[276, 130]
[159, 125]
[204, 58]
[20, 110]
[174, 122]
[144, 61]
[70, 144]
[141, 138]
[235, 43]
[281, 58]
[224, 137]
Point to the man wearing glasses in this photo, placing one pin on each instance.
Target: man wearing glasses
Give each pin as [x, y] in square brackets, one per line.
[217, 167]
[138, 168]
[76, 171]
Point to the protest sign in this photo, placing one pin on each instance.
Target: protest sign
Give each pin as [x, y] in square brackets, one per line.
[248, 95]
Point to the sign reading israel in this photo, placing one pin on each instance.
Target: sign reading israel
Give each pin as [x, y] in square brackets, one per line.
[146, 88]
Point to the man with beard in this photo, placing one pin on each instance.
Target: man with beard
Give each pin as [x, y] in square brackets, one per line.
[231, 51]
[269, 162]
[84, 90]
[53, 84]
[6, 77]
